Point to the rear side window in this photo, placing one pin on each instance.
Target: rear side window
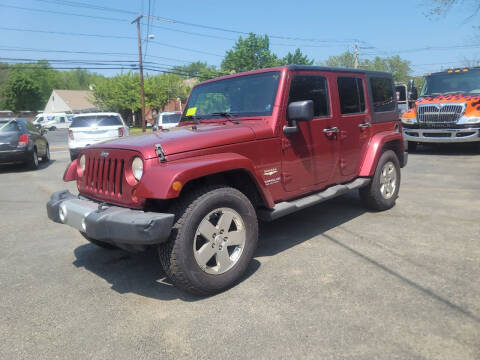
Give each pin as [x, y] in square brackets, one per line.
[170, 118]
[7, 126]
[101, 120]
[311, 87]
[382, 94]
[351, 95]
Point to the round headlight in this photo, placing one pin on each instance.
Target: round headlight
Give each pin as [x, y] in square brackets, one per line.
[81, 162]
[137, 168]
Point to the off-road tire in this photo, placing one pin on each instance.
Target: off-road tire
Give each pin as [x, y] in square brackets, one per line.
[46, 157]
[33, 162]
[371, 195]
[412, 146]
[101, 244]
[177, 255]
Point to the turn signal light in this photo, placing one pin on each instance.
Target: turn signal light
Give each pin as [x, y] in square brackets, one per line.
[121, 132]
[23, 140]
[70, 134]
[177, 185]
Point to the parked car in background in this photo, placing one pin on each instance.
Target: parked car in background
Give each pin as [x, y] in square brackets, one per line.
[53, 121]
[22, 142]
[167, 120]
[92, 128]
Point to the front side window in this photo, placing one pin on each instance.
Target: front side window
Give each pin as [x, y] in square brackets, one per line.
[250, 95]
[311, 87]
[382, 94]
[351, 95]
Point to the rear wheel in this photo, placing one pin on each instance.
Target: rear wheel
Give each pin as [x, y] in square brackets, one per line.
[46, 157]
[382, 192]
[212, 241]
[33, 160]
[101, 244]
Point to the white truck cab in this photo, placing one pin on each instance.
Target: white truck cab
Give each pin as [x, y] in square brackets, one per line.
[53, 121]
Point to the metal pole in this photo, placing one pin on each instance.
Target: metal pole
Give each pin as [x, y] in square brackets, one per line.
[355, 64]
[140, 61]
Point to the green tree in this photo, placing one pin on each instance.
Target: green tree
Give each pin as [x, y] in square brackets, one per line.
[118, 93]
[297, 58]
[399, 68]
[346, 60]
[250, 53]
[161, 89]
[21, 93]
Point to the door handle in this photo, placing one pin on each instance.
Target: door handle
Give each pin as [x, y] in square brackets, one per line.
[364, 125]
[331, 131]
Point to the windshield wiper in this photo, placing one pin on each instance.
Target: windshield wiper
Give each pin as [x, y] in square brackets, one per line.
[227, 115]
[195, 118]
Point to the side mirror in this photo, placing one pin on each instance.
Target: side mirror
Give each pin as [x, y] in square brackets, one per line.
[413, 90]
[298, 111]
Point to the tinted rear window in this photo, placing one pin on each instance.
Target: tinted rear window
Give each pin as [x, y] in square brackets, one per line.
[6, 126]
[170, 119]
[101, 120]
[382, 94]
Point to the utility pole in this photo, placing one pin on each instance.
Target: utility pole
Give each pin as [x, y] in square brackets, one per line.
[355, 54]
[140, 63]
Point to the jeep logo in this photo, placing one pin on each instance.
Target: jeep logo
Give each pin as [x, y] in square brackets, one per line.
[104, 154]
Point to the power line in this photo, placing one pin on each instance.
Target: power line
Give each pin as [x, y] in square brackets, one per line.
[175, 21]
[109, 37]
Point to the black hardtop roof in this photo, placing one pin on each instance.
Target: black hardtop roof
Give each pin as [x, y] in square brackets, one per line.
[336, 69]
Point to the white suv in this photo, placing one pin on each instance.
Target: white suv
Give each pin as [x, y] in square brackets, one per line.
[168, 119]
[92, 128]
[53, 121]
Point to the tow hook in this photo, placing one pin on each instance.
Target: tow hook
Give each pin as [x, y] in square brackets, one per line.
[160, 153]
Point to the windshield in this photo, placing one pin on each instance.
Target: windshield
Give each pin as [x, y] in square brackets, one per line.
[6, 126]
[250, 95]
[100, 120]
[451, 83]
[170, 118]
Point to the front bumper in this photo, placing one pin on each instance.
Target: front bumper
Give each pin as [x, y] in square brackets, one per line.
[442, 135]
[108, 223]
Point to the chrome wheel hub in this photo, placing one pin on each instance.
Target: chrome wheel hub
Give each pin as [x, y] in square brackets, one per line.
[219, 241]
[388, 180]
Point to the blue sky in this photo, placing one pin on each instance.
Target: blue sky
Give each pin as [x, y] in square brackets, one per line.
[383, 28]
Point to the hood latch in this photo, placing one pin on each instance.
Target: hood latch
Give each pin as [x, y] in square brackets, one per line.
[160, 153]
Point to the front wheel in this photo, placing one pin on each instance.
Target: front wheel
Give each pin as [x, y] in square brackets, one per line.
[382, 192]
[212, 242]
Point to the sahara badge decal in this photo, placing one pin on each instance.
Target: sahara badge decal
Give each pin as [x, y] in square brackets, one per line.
[270, 172]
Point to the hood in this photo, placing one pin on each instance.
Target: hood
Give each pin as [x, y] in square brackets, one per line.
[182, 139]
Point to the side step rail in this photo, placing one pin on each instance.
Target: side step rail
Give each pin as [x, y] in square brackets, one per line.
[288, 207]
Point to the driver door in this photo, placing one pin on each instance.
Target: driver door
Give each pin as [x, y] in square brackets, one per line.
[309, 155]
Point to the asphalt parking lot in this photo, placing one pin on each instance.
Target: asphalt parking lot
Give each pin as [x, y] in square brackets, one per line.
[330, 282]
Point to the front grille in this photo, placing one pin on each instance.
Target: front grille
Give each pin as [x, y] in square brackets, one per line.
[439, 115]
[104, 176]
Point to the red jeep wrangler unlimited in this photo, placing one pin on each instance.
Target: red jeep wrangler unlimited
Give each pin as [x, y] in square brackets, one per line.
[255, 145]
